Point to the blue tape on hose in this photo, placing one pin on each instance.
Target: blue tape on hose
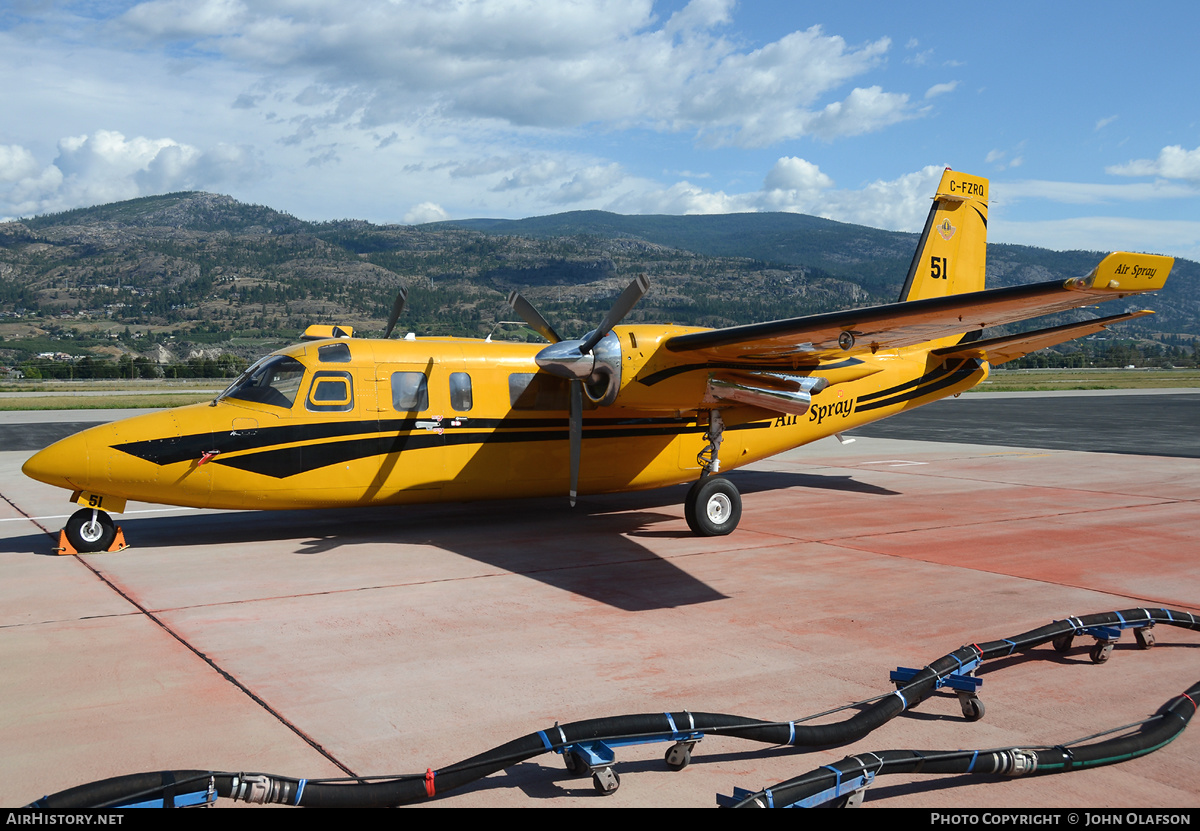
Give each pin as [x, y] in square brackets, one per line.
[545, 741]
[300, 790]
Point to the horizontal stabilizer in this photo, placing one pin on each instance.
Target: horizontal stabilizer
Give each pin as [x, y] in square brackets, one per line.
[1010, 347]
[1122, 273]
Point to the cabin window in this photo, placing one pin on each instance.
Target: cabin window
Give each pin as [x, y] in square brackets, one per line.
[334, 353]
[331, 392]
[538, 391]
[274, 380]
[410, 392]
[460, 391]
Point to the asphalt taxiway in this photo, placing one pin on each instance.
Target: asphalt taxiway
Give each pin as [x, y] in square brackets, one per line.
[389, 641]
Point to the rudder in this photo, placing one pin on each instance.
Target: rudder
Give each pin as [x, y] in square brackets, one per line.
[952, 253]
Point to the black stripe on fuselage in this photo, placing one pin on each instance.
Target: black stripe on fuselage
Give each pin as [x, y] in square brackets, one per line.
[174, 449]
[932, 375]
[282, 462]
[933, 382]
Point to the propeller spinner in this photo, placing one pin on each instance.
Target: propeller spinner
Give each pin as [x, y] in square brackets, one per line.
[592, 363]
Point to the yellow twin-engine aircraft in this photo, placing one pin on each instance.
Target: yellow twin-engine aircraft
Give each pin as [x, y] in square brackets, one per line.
[343, 421]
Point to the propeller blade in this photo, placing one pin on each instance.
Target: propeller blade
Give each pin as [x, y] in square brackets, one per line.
[397, 308]
[625, 303]
[575, 430]
[531, 316]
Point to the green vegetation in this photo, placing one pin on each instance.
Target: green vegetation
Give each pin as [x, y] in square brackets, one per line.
[102, 402]
[1040, 380]
[128, 366]
[182, 284]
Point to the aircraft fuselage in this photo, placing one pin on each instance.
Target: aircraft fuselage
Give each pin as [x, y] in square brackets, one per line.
[360, 430]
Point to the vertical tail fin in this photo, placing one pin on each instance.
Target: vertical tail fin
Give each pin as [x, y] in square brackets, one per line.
[952, 251]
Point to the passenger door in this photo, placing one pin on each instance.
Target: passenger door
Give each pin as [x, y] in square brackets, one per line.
[409, 398]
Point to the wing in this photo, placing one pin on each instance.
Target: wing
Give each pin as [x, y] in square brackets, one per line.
[896, 325]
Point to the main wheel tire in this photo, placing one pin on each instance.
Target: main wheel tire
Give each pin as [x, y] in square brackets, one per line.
[713, 507]
[88, 534]
[689, 505]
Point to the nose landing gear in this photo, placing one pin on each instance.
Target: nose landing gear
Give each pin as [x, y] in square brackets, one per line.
[88, 530]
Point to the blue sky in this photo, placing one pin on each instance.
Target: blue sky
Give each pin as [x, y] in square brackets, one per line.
[1084, 116]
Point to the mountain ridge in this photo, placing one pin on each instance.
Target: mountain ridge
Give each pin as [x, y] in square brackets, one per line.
[198, 267]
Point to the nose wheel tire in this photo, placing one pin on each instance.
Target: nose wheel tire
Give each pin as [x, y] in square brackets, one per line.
[713, 507]
[90, 530]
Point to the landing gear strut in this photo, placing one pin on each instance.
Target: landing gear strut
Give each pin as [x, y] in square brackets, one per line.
[713, 506]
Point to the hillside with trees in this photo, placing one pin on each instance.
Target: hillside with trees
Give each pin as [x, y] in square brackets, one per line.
[170, 284]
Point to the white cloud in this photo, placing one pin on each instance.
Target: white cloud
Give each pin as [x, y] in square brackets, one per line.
[793, 184]
[550, 66]
[681, 198]
[532, 175]
[186, 18]
[700, 15]
[588, 184]
[1172, 163]
[863, 111]
[1179, 238]
[16, 163]
[796, 185]
[795, 174]
[106, 167]
[941, 89]
[1088, 193]
[997, 157]
[1104, 122]
[899, 204]
[425, 212]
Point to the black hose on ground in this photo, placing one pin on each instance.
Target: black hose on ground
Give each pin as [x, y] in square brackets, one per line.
[404, 790]
[1009, 762]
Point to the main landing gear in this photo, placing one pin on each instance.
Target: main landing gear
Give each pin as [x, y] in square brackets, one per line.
[90, 529]
[713, 506]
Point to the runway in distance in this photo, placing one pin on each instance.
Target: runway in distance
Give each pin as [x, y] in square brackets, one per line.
[340, 421]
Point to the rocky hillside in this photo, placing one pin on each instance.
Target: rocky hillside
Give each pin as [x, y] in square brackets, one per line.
[168, 276]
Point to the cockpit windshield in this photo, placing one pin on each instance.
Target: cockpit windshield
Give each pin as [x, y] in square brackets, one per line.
[274, 380]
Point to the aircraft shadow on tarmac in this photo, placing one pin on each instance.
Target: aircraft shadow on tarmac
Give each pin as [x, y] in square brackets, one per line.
[591, 550]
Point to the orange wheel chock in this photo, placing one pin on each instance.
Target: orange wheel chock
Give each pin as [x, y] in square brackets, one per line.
[64, 547]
